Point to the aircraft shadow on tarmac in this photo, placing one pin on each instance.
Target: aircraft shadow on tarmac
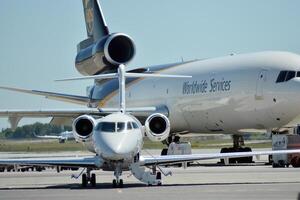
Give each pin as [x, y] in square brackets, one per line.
[137, 185]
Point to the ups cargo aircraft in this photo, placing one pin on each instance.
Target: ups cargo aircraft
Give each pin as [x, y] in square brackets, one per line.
[220, 95]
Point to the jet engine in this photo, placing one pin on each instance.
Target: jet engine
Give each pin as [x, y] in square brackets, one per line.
[157, 127]
[83, 127]
[104, 55]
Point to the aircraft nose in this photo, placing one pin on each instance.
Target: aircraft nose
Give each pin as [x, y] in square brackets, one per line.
[117, 146]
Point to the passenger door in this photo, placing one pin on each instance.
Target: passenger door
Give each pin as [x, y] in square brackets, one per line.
[261, 80]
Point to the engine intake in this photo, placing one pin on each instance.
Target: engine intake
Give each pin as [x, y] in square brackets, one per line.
[157, 127]
[104, 55]
[83, 127]
[119, 49]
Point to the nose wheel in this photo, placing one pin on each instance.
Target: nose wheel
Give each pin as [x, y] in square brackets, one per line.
[117, 182]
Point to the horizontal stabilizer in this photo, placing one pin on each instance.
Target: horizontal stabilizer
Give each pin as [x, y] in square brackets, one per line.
[81, 100]
[138, 109]
[127, 74]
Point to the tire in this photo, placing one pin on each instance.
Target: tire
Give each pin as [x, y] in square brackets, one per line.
[93, 180]
[275, 165]
[114, 183]
[121, 183]
[84, 180]
[281, 164]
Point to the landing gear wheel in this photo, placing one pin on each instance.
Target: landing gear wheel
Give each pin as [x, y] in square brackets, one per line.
[84, 180]
[121, 183]
[114, 183]
[93, 180]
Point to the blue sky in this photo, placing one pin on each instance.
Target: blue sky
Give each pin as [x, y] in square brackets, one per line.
[38, 38]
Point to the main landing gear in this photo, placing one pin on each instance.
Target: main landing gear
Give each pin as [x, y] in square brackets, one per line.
[238, 142]
[88, 178]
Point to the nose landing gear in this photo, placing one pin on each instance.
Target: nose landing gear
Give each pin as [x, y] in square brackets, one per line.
[118, 172]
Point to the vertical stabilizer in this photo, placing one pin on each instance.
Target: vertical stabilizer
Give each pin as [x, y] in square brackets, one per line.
[95, 23]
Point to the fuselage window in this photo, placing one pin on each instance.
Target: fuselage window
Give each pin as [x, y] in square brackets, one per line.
[298, 74]
[129, 127]
[290, 75]
[281, 77]
[120, 126]
[135, 126]
[106, 127]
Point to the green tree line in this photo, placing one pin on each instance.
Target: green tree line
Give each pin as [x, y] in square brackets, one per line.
[28, 131]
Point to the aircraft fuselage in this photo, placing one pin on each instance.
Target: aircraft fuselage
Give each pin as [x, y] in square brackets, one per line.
[224, 95]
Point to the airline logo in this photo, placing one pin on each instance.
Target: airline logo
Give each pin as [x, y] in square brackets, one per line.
[89, 16]
[203, 86]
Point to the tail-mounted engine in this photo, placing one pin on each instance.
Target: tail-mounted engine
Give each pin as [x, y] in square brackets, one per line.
[83, 127]
[104, 55]
[157, 127]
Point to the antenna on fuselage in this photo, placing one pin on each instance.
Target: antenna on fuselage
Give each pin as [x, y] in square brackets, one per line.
[122, 75]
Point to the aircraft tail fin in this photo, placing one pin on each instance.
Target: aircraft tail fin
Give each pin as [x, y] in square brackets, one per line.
[95, 22]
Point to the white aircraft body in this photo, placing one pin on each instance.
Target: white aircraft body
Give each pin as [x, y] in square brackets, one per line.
[62, 137]
[117, 140]
[225, 95]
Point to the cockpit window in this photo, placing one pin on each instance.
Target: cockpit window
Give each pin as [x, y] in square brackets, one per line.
[106, 127]
[287, 75]
[281, 77]
[116, 127]
[120, 126]
[135, 126]
[290, 75]
[129, 127]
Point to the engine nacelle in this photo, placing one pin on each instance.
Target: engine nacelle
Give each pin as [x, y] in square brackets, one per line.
[83, 127]
[104, 55]
[157, 127]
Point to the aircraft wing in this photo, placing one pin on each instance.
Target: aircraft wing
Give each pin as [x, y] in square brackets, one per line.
[91, 161]
[82, 100]
[170, 159]
[15, 116]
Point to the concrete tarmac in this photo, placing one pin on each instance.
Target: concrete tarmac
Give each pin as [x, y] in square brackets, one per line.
[206, 181]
